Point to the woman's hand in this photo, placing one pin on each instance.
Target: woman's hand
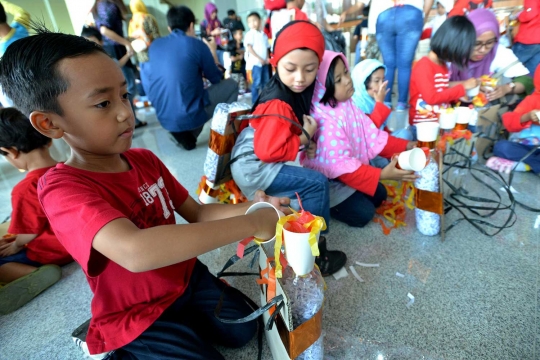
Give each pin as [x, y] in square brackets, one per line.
[216, 32]
[471, 83]
[391, 172]
[498, 92]
[382, 91]
[411, 145]
[311, 150]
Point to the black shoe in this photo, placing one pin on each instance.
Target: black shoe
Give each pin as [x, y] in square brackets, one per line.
[140, 124]
[186, 139]
[329, 261]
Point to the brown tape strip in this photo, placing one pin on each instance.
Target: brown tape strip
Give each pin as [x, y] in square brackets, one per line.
[298, 340]
[211, 192]
[429, 201]
[220, 144]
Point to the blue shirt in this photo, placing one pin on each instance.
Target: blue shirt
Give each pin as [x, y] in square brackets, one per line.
[18, 32]
[173, 80]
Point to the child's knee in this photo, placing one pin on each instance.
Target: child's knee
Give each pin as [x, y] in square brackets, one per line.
[502, 148]
[243, 333]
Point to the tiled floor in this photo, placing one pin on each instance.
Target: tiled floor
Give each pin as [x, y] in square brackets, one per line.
[476, 297]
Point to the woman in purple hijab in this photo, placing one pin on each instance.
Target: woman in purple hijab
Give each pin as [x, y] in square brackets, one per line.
[211, 26]
[489, 57]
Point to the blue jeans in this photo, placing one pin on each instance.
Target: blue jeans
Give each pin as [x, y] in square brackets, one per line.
[398, 32]
[359, 209]
[260, 76]
[358, 55]
[529, 55]
[515, 151]
[311, 185]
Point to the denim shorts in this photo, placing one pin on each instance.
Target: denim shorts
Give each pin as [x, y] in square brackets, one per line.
[19, 257]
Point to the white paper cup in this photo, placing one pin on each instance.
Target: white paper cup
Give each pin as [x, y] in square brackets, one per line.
[473, 92]
[414, 159]
[447, 121]
[298, 252]
[463, 114]
[427, 132]
[263, 205]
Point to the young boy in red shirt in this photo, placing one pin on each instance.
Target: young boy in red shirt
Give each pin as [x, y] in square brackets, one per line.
[29, 259]
[112, 208]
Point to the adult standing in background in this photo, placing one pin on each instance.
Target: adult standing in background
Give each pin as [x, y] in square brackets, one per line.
[490, 57]
[108, 17]
[142, 26]
[233, 21]
[211, 26]
[398, 26]
[527, 41]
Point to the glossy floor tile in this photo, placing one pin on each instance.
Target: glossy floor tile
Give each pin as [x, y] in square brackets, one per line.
[475, 297]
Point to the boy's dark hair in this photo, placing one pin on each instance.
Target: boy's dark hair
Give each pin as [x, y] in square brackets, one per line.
[256, 14]
[17, 131]
[328, 97]
[454, 41]
[89, 31]
[3, 16]
[231, 12]
[368, 79]
[29, 68]
[180, 17]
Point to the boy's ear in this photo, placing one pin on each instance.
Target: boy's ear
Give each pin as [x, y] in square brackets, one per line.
[42, 122]
[12, 152]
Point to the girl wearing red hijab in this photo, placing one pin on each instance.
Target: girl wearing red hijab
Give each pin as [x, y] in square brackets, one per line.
[280, 125]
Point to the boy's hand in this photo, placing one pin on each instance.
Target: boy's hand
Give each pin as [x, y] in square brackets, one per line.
[380, 95]
[391, 172]
[470, 83]
[311, 150]
[10, 249]
[411, 145]
[281, 203]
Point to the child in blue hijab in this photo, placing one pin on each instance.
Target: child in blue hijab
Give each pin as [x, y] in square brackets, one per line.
[370, 90]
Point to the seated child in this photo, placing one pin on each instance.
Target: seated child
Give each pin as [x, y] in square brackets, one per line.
[281, 124]
[238, 64]
[30, 258]
[112, 208]
[429, 91]
[370, 89]
[346, 140]
[524, 127]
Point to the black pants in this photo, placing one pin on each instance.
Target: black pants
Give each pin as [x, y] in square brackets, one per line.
[188, 327]
[359, 209]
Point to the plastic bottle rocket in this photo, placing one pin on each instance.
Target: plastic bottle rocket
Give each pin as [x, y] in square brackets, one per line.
[428, 223]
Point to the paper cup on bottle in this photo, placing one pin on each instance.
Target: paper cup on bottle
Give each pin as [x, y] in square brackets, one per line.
[473, 92]
[264, 205]
[447, 120]
[298, 252]
[464, 115]
[412, 160]
[427, 132]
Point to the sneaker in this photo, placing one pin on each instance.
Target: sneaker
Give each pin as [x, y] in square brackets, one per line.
[329, 261]
[21, 291]
[401, 106]
[79, 338]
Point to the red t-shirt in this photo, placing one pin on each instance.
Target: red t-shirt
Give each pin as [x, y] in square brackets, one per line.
[79, 203]
[463, 7]
[429, 91]
[27, 217]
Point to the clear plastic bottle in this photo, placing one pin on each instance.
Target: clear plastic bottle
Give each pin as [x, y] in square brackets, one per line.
[428, 223]
[306, 295]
